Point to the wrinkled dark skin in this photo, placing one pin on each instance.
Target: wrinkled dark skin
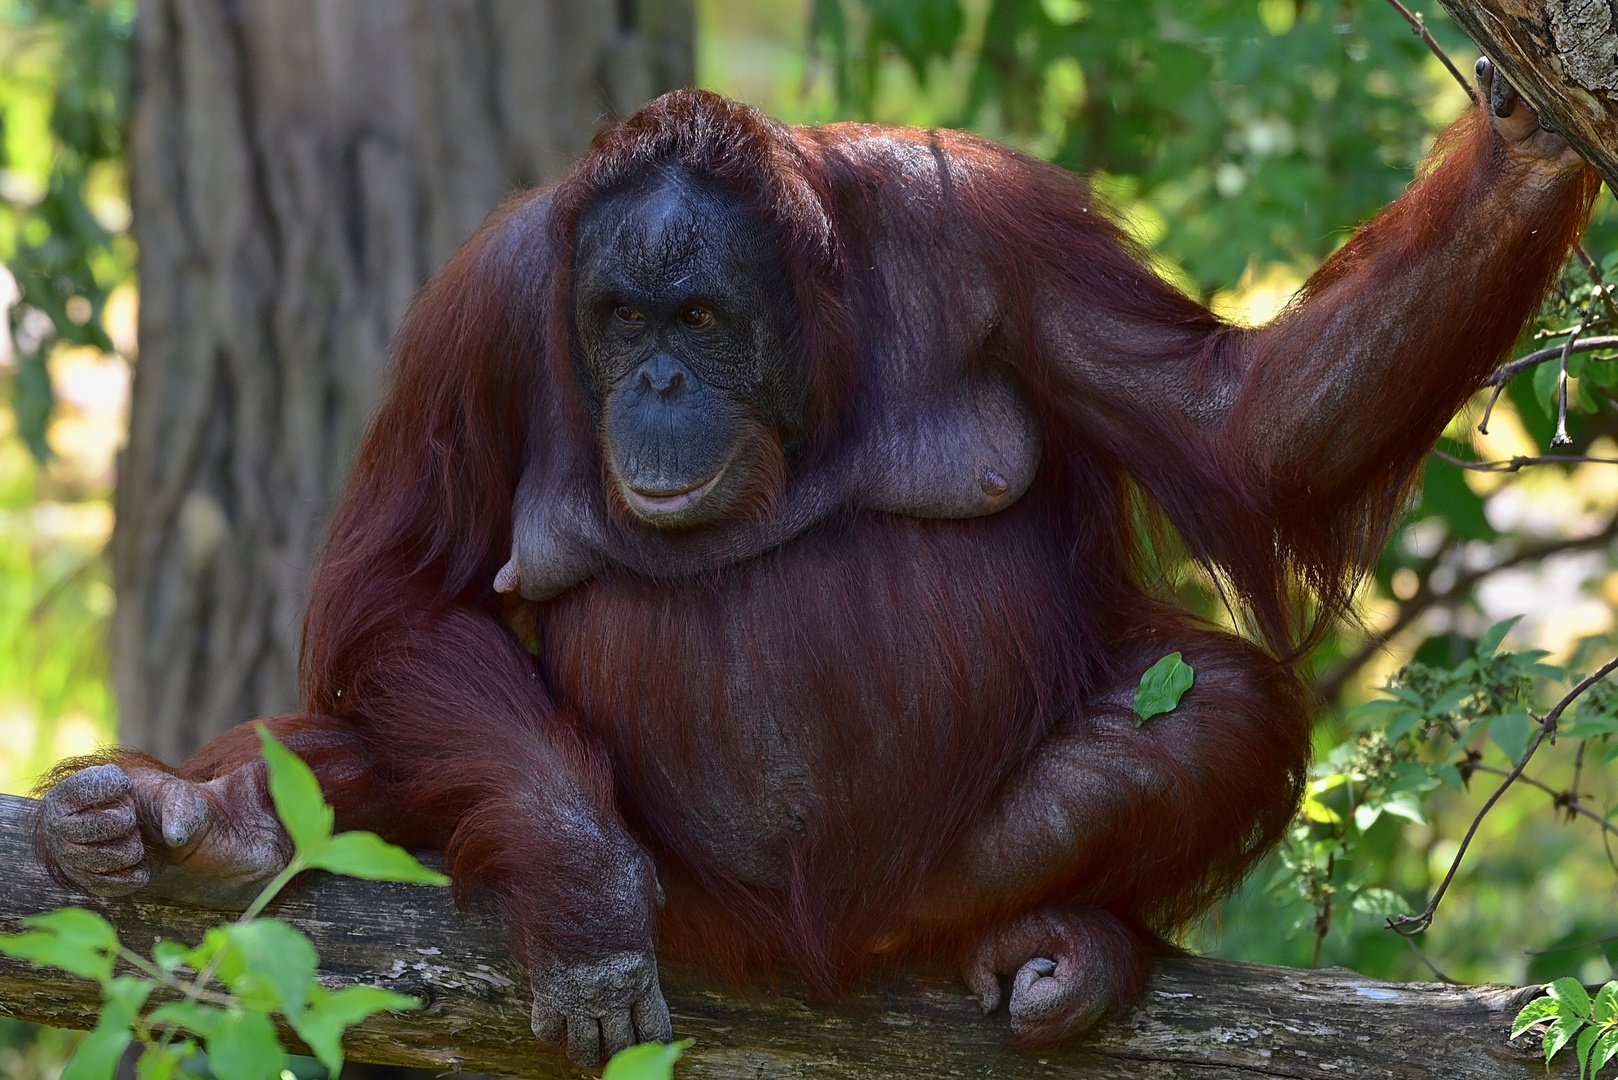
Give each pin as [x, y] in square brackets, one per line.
[683, 319]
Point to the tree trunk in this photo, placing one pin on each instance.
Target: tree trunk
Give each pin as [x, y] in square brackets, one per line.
[299, 168]
[1562, 56]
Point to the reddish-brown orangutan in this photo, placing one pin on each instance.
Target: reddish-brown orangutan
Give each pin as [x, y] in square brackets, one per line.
[754, 520]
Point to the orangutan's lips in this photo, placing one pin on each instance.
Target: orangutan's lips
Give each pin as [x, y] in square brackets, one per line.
[661, 504]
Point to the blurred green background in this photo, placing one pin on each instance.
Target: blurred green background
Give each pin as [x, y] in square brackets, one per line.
[1240, 141]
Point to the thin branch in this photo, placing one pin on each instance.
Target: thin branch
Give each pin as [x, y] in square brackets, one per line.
[1418, 26]
[1522, 462]
[1561, 437]
[1415, 924]
[1508, 371]
[1564, 800]
[1586, 943]
[1425, 598]
[1596, 280]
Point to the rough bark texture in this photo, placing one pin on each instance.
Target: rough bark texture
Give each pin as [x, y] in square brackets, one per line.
[1562, 55]
[1202, 1019]
[299, 168]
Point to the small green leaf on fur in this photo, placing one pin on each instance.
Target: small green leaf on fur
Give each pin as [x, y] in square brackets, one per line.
[1162, 687]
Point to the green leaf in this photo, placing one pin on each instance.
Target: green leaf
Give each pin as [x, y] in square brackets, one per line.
[1571, 993]
[201, 1019]
[648, 1061]
[1604, 1010]
[1581, 1048]
[1162, 687]
[163, 1062]
[1511, 733]
[1589, 727]
[244, 1047]
[1605, 1047]
[297, 797]
[1446, 494]
[1380, 902]
[1490, 641]
[1406, 804]
[1559, 1035]
[169, 955]
[270, 955]
[97, 1056]
[73, 939]
[1532, 1013]
[1449, 774]
[213, 942]
[329, 1014]
[367, 855]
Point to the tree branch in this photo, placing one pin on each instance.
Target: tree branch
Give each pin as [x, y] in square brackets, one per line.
[1205, 1019]
[1415, 924]
[1329, 685]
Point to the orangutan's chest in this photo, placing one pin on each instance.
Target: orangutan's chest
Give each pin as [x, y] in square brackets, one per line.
[846, 676]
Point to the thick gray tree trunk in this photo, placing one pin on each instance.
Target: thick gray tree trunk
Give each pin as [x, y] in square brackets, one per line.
[299, 168]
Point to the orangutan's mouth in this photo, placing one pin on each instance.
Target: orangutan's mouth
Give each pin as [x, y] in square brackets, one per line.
[656, 504]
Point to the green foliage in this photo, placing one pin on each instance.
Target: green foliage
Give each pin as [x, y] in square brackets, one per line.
[1573, 1015]
[1256, 131]
[1162, 686]
[648, 1061]
[1423, 735]
[240, 974]
[64, 100]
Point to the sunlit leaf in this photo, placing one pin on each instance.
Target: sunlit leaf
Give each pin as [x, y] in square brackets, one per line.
[1581, 1048]
[648, 1061]
[97, 1056]
[163, 1062]
[1604, 1049]
[193, 1016]
[1572, 996]
[367, 855]
[1532, 1013]
[271, 954]
[1604, 1009]
[1560, 1034]
[70, 938]
[244, 1046]
[330, 1013]
[297, 796]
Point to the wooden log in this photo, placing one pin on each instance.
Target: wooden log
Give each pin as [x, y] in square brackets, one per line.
[1562, 56]
[1204, 1019]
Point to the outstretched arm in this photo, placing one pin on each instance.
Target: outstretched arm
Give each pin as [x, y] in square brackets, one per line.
[1282, 451]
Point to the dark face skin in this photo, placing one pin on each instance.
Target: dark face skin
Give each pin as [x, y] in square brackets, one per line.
[683, 326]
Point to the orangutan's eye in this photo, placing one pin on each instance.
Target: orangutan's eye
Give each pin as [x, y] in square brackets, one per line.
[696, 318]
[628, 316]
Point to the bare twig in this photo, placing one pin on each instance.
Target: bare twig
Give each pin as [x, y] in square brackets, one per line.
[1421, 955]
[1425, 598]
[1418, 26]
[1522, 462]
[1596, 280]
[1587, 942]
[1564, 800]
[1415, 924]
[1508, 371]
